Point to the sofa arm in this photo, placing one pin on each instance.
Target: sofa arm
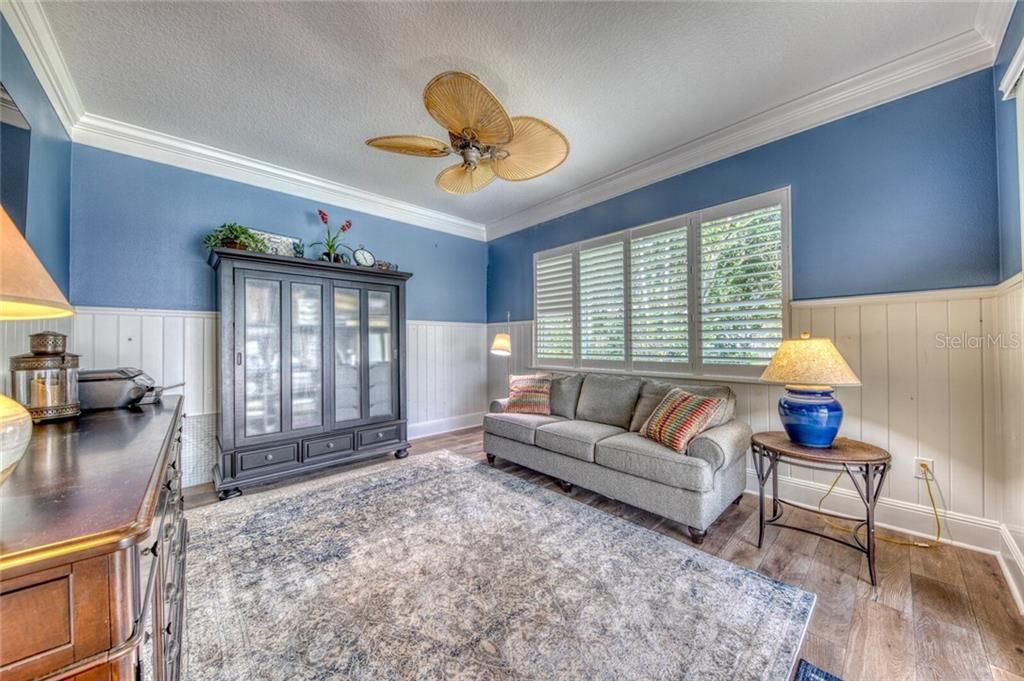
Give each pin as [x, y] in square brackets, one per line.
[721, 445]
[498, 406]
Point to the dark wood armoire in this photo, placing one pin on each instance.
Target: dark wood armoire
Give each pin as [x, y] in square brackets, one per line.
[312, 366]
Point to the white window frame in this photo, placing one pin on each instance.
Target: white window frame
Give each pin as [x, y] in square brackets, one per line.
[693, 368]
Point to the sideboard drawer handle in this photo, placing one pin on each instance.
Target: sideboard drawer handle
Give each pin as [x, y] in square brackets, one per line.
[380, 435]
[270, 457]
[330, 445]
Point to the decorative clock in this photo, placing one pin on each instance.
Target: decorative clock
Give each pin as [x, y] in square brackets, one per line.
[363, 257]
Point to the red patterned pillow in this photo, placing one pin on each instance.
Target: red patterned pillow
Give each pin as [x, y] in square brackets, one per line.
[529, 395]
[679, 418]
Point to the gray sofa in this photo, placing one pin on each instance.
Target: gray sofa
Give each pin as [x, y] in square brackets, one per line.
[591, 440]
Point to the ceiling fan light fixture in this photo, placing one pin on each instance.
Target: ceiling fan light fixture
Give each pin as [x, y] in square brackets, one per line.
[491, 143]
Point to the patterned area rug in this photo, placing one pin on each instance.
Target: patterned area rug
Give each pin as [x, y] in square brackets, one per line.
[440, 568]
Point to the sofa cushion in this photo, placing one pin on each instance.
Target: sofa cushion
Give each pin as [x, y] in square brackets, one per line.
[574, 438]
[608, 399]
[653, 392]
[518, 427]
[529, 395]
[630, 453]
[680, 417]
[565, 393]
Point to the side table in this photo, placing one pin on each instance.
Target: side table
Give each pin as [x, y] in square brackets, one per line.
[866, 465]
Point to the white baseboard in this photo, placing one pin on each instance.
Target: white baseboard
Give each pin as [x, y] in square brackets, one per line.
[438, 426]
[1011, 560]
[958, 529]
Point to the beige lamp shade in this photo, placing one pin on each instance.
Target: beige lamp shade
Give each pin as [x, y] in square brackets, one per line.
[502, 345]
[26, 289]
[807, 361]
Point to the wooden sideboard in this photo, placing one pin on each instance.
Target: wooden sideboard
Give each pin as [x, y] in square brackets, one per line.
[92, 550]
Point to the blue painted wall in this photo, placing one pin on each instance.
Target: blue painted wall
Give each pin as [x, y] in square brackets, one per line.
[136, 228]
[14, 156]
[49, 180]
[1006, 153]
[900, 197]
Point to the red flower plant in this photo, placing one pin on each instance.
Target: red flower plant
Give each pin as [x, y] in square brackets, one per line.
[345, 226]
[323, 216]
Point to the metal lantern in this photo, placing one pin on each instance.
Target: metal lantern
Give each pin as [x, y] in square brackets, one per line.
[45, 380]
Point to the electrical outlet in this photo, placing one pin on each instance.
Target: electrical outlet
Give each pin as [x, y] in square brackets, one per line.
[918, 462]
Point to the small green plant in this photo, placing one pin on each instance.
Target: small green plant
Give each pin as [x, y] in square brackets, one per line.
[234, 235]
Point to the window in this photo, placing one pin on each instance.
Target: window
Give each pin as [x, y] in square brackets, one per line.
[741, 287]
[699, 294]
[553, 312]
[603, 303]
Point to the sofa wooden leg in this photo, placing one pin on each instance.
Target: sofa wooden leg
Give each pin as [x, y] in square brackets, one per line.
[696, 535]
[566, 486]
[737, 500]
[490, 459]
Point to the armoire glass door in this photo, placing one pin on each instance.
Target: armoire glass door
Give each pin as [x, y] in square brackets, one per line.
[381, 359]
[348, 354]
[279, 356]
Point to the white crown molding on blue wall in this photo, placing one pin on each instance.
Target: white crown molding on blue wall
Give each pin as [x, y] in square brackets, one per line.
[957, 56]
[30, 26]
[125, 138]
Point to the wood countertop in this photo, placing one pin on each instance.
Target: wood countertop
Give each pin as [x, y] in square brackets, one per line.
[85, 486]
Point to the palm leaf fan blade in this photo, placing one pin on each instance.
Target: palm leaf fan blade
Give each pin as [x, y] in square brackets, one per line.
[464, 106]
[411, 145]
[536, 148]
[459, 179]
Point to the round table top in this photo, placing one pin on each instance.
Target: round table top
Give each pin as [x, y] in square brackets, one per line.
[843, 450]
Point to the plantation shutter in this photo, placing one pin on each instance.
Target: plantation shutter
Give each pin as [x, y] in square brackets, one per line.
[602, 293]
[660, 326]
[553, 289]
[741, 287]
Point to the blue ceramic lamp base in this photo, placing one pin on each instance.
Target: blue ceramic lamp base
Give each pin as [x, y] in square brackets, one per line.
[811, 415]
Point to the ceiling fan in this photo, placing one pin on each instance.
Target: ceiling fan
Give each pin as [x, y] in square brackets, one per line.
[490, 142]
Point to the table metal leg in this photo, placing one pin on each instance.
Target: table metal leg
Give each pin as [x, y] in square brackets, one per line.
[759, 469]
[776, 508]
[873, 477]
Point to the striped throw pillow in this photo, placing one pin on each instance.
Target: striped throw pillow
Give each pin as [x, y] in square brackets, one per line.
[529, 395]
[679, 418]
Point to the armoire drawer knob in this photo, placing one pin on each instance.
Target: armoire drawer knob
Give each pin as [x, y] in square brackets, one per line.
[380, 435]
[330, 445]
[270, 457]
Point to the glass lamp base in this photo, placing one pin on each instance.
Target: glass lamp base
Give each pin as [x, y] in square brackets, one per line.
[15, 432]
[811, 416]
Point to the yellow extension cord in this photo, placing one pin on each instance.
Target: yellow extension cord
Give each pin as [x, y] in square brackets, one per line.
[893, 540]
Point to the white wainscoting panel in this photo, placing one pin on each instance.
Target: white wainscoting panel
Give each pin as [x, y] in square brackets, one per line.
[446, 366]
[924, 394]
[447, 376]
[1008, 309]
[14, 341]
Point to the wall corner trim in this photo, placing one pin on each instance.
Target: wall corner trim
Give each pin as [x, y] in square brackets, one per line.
[32, 29]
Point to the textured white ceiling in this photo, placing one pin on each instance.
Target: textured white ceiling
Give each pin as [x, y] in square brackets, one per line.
[302, 85]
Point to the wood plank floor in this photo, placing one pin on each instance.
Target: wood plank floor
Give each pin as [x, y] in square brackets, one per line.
[937, 614]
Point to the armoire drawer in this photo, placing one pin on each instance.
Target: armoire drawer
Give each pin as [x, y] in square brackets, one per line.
[339, 443]
[263, 459]
[380, 435]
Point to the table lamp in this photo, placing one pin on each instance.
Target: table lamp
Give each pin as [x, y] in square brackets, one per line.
[26, 292]
[810, 368]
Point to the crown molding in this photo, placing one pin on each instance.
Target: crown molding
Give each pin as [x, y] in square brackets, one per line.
[32, 29]
[944, 61]
[992, 19]
[133, 140]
